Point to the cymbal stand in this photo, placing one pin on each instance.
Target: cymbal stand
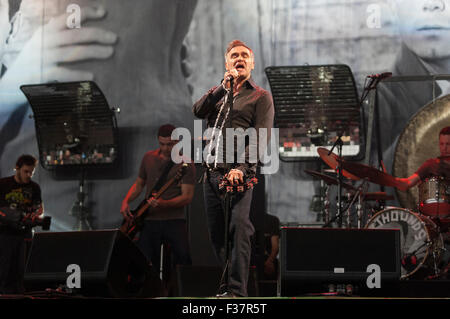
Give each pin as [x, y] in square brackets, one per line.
[326, 205]
[360, 210]
[339, 143]
[362, 189]
[360, 193]
[435, 265]
[438, 213]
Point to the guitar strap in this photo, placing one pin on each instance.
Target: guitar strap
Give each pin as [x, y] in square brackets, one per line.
[162, 178]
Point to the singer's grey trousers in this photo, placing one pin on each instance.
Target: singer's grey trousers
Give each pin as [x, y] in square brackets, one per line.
[241, 230]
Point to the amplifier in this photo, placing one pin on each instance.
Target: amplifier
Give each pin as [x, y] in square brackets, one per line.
[328, 255]
[110, 264]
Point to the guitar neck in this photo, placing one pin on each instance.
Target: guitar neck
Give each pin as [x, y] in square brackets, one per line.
[144, 208]
[164, 188]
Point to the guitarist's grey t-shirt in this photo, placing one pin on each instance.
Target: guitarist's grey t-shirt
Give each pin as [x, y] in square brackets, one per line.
[152, 166]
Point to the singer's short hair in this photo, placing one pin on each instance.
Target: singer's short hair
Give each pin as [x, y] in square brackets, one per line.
[166, 130]
[445, 131]
[26, 159]
[237, 43]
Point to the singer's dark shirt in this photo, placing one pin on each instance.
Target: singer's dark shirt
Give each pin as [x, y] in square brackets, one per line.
[252, 107]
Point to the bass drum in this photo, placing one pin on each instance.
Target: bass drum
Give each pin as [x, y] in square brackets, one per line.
[421, 244]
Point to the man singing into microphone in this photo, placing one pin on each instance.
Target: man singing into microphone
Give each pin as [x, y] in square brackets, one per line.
[252, 107]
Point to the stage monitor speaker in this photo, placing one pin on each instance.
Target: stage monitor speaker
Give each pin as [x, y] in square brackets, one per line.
[110, 264]
[312, 258]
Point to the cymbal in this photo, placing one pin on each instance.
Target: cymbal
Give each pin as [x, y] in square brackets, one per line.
[378, 196]
[372, 174]
[332, 161]
[328, 179]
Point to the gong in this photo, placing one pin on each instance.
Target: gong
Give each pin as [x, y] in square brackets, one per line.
[418, 142]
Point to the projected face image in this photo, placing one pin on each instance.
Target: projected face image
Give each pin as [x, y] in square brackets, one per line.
[44, 54]
[4, 24]
[424, 26]
[134, 58]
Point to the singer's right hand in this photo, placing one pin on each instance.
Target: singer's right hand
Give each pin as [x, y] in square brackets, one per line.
[233, 73]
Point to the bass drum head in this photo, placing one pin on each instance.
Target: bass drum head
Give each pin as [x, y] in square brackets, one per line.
[418, 239]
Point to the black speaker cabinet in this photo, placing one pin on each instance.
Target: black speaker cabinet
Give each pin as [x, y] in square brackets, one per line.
[311, 258]
[110, 264]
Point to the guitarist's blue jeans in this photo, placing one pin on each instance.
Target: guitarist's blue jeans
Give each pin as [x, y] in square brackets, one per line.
[241, 230]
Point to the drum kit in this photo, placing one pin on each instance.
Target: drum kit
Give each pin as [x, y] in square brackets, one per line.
[422, 230]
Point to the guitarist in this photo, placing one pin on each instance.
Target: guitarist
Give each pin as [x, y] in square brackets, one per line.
[20, 193]
[165, 221]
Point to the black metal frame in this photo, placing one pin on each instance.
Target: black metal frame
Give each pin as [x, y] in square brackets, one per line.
[70, 108]
[292, 86]
[80, 112]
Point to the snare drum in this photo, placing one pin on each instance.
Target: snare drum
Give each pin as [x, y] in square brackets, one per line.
[421, 243]
[434, 197]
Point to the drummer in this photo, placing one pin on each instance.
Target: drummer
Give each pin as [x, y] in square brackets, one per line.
[439, 166]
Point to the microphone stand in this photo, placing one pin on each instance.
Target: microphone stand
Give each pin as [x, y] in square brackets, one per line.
[372, 117]
[224, 280]
[230, 97]
[371, 86]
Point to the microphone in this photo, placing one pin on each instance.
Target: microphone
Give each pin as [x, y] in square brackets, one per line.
[381, 76]
[231, 77]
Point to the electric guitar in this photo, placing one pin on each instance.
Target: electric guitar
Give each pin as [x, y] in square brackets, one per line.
[134, 225]
[19, 220]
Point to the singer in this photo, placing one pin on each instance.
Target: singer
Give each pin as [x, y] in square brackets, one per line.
[252, 106]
